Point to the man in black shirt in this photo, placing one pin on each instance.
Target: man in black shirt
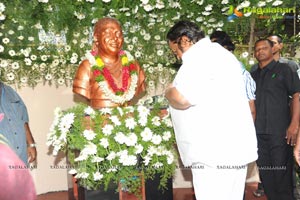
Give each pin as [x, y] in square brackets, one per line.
[276, 127]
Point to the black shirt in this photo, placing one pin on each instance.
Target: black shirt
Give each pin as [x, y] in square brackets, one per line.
[274, 84]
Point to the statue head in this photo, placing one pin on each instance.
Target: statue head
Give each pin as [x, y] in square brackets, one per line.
[108, 36]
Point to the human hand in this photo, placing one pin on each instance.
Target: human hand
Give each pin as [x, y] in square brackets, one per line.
[291, 135]
[297, 153]
[31, 152]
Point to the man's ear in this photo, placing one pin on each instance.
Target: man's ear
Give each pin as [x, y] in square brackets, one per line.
[280, 45]
[185, 41]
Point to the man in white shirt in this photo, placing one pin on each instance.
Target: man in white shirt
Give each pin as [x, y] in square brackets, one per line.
[214, 129]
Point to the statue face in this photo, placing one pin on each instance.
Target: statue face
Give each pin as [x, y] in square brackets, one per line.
[110, 38]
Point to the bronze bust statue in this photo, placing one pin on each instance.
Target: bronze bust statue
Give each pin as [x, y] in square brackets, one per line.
[105, 79]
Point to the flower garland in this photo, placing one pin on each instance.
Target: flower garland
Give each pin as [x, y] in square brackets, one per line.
[106, 82]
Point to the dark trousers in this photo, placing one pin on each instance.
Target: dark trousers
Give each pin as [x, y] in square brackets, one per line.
[275, 163]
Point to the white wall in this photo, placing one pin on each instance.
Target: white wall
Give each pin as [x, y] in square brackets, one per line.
[41, 102]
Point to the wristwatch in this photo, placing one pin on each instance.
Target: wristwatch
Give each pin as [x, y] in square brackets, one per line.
[32, 145]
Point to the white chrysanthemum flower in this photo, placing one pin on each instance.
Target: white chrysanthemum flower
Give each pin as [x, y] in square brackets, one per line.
[245, 4]
[82, 175]
[1, 48]
[24, 79]
[89, 134]
[152, 150]
[148, 8]
[138, 54]
[245, 54]
[89, 149]
[176, 5]
[60, 81]
[247, 14]
[97, 176]
[96, 159]
[146, 134]
[147, 160]
[28, 61]
[15, 65]
[112, 169]
[3, 63]
[48, 77]
[2, 7]
[139, 149]
[89, 111]
[112, 155]
[128, 160]
[130, 47]
[10, 76]
[158, 165]
[130, 123]
[120, 138]
[157, 37]
[79, 16]
[166, 135]
[208, 7]
[12, 53]
[5, 40]
[160, 52]
[73, 60]
[104, 142]
[81, 157]
[44, 57]
[30, 38]
[11, 32]
[277, 3]
[105, 111]
[251, 62]
[261, 4]
[151, 70]
[21, 37]
[143, 121]
[170, 157]
[66, 122]
[72, 171]
[143, 111]
[106, 1]
[224, 2]
[107, 129]
[131, 139]
[147, 37]
[33, 57]
[159, 4]
[156, 139]
[115, 120]
[156, 121]
[167, 121]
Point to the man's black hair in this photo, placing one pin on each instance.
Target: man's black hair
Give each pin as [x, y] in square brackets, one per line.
[185, 28]
[264, 39]
[223, 39]
[279, 38]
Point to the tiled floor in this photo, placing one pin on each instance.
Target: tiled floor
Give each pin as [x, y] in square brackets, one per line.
[179, 194]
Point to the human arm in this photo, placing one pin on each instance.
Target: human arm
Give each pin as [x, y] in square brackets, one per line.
[176, 100]
[297, 149]
[31, 149]
[292, 131]
[252, 109]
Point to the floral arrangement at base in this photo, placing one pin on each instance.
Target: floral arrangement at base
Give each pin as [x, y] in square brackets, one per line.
[115, 145]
